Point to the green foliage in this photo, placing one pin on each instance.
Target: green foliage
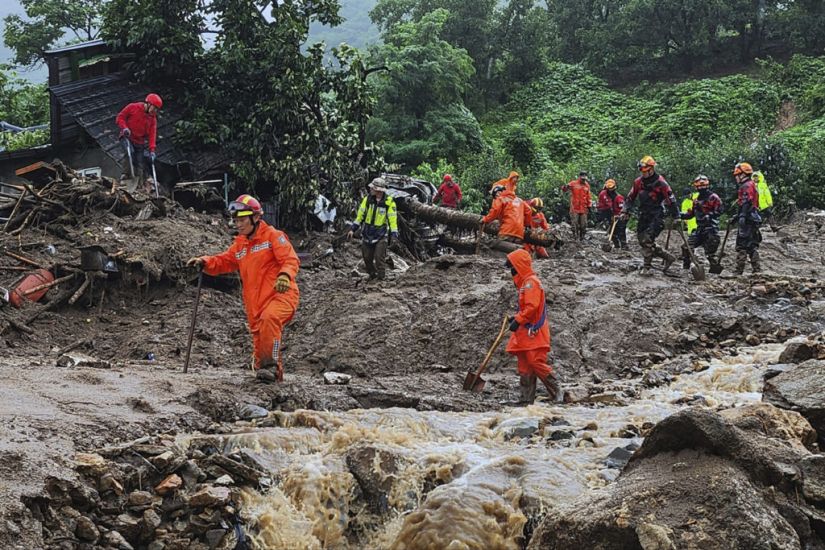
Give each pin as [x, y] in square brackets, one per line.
[433, 173]
[802, 80]
[23, 140]
[22, 103]
[48, 21]
[420, 112]
[520, 144]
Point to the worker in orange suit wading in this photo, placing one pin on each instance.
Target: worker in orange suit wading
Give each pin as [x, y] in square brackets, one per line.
[530, 341]
[268, 267]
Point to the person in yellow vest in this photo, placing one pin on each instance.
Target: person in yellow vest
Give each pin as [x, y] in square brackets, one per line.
[378, 215]
[765, 199]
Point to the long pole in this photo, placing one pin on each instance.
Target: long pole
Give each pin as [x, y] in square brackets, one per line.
[192, 326]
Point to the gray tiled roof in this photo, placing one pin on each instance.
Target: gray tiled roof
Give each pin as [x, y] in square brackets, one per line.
[95, 102]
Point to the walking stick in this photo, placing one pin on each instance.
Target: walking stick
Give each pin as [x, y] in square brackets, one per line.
[192, 326]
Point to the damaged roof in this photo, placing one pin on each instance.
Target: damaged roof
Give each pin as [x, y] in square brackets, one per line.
[95, 102]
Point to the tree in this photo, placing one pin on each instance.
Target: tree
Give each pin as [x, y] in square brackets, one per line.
[421, 114]
[22, 104]
[49, 21]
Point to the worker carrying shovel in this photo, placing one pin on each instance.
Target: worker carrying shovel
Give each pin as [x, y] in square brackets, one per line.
[268, 267]
[138, 123]
[530, 338]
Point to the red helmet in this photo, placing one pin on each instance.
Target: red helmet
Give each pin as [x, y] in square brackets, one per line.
[245, 205]
[447, 177]
[154, 99]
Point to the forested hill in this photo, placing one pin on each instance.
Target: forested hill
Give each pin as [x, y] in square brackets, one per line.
[357, 30]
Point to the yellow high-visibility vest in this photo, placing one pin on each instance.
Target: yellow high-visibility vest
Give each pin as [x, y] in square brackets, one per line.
[765, 197]
[687, 204]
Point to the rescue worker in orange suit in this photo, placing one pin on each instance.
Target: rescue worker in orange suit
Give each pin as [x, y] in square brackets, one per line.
[538, 221]
[614, 202]
[706, 208]
[513, 213]
[138, 123]
[655, 195]
[530, 338]
[449, 193]
[748, 219]
[268, 266]
[580, 203]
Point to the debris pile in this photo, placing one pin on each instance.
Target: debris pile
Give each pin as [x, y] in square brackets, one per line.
[149, 494]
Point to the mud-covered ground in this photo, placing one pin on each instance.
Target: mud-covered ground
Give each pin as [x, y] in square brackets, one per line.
[406, 342]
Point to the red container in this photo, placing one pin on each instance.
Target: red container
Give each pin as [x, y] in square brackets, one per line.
[36, 278]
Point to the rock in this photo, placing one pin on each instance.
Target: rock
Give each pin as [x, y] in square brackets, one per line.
[163, 460]
[606, 398]
[116, 540]
[91, 464]
[591, 426]
[559, 435]
[440, 368]
[210, 497]
[759, 290]
[765, 419]
[139, 499]
[752, 340]
[777, 368]
[655, 378]
[249, 411]
[151, 521]
[169, 485]
[225, 480]
[610, 475]
[618, 458]
[108, 482]
[86, 529]
[797, 352]
[629, 432]
[575, 394]
[239, 470]
[801, 389]
[191, 474]
[813, 478]
[729, 343]
[74, 359]
[375, 471]
[214, 537]
[336, 378]
[128, 525]
[156, 545]
[654, 537]
[518, 427]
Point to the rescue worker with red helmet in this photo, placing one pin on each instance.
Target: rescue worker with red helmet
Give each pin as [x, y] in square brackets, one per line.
[655, 196]
[706, 209]
[530, 338]
[449, 193]
[580, 203]
[537, 221]
[138, 123]
[613, 202]
[268, 266]
[748, 219]
[377, 213]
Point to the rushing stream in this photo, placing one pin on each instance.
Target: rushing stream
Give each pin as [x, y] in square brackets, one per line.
[401, 478]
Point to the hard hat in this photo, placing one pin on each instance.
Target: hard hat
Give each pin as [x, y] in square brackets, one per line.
[447, 177]
[610, 184]
[537, 202]
[583, 175]
[245, 205]
[379, 184]
[646, 162]
[701, 182]
[743, 168]
[154, 99]
[496, 190]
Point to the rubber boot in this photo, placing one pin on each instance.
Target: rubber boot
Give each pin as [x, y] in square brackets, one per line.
[268, 372]
[551, 384]
[527, 389]
[741, 260]
[756, 265]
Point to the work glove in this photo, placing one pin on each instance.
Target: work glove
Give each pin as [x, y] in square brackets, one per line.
[282, 283]
[126, 132]
[195, 262]
[513, 324]
[349, 234]
[152, 156]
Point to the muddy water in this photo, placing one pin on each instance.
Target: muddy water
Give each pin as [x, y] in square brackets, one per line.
[450, 480]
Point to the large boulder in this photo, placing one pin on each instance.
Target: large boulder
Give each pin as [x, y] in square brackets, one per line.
[701, 481]
[801, 389]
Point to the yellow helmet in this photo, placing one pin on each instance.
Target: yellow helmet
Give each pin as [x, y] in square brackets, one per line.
[743, 168]
[646, 162]
[537, 203]
[610, 184]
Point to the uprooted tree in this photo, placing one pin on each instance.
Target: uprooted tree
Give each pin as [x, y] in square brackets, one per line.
[292, 122]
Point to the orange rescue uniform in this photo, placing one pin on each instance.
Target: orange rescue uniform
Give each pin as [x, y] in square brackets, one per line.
[530, 343]
[260, 258]
[513, 212]
[580, 199]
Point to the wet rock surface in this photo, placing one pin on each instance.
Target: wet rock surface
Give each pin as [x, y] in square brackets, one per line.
[801, 389]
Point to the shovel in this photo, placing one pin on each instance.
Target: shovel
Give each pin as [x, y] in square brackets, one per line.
[716, 266]
[474, 382]
[155, 179]
[192, 326]
[608, 246]
[697, 270]
[128, 147]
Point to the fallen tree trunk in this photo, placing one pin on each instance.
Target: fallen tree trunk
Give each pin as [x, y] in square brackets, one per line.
[465, 247]
[467, 220]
